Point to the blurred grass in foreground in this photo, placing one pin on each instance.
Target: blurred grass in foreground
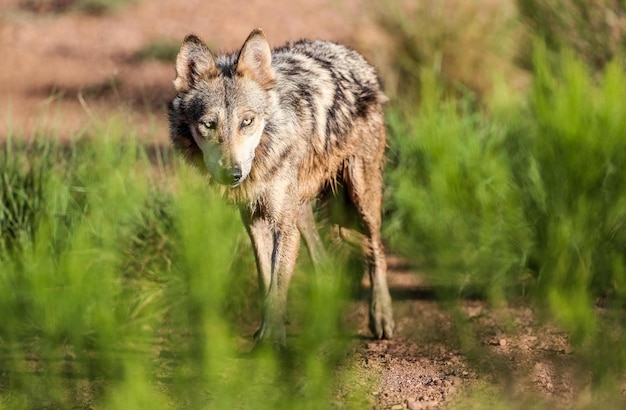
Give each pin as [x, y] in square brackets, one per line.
[116, 290]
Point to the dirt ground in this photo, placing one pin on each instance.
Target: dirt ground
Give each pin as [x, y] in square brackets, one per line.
[511, 359]
[62, 71]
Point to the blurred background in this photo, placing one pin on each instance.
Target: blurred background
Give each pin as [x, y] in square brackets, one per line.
[117, 54]
[125, 283]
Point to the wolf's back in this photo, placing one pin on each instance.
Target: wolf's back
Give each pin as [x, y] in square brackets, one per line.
[328, 87]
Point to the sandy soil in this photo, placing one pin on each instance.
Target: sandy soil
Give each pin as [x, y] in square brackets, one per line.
[61, 72]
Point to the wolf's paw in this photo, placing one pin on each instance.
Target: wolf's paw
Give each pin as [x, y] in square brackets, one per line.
[381, 320]
[270, 338]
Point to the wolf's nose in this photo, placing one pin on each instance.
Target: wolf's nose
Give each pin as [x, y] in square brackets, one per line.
[236, 174]
[231, 176]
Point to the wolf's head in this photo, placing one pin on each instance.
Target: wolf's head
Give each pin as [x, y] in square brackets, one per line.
[224, 102]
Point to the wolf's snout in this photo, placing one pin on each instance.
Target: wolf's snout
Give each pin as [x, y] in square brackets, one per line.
[232, 176]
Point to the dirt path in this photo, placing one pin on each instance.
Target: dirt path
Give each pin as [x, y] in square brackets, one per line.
[64, 71]
[513, 360]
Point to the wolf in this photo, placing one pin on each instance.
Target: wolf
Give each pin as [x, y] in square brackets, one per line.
[276, 128]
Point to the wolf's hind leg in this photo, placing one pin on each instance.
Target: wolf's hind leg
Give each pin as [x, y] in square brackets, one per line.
[364, 182]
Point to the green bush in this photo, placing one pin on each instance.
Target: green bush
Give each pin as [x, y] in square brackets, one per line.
[579, 151]
[452, 198]
[528, 200]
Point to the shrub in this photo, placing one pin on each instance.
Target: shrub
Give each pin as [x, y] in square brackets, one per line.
[453, 202]
[579, 151]
[531, 198]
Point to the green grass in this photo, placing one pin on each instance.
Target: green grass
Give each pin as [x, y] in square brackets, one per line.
[122, 291]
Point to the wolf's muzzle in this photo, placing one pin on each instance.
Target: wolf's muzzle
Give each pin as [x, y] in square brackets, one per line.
[231, 176]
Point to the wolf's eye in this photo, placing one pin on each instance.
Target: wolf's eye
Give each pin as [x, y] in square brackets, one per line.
[205, 127]
[209, 125]
[247, 122]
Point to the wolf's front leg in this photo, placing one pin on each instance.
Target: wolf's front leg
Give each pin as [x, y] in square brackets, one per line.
[284, 254]
[276, 248]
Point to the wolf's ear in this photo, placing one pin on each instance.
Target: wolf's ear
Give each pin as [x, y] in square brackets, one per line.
[193, 61]
[255, 60]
